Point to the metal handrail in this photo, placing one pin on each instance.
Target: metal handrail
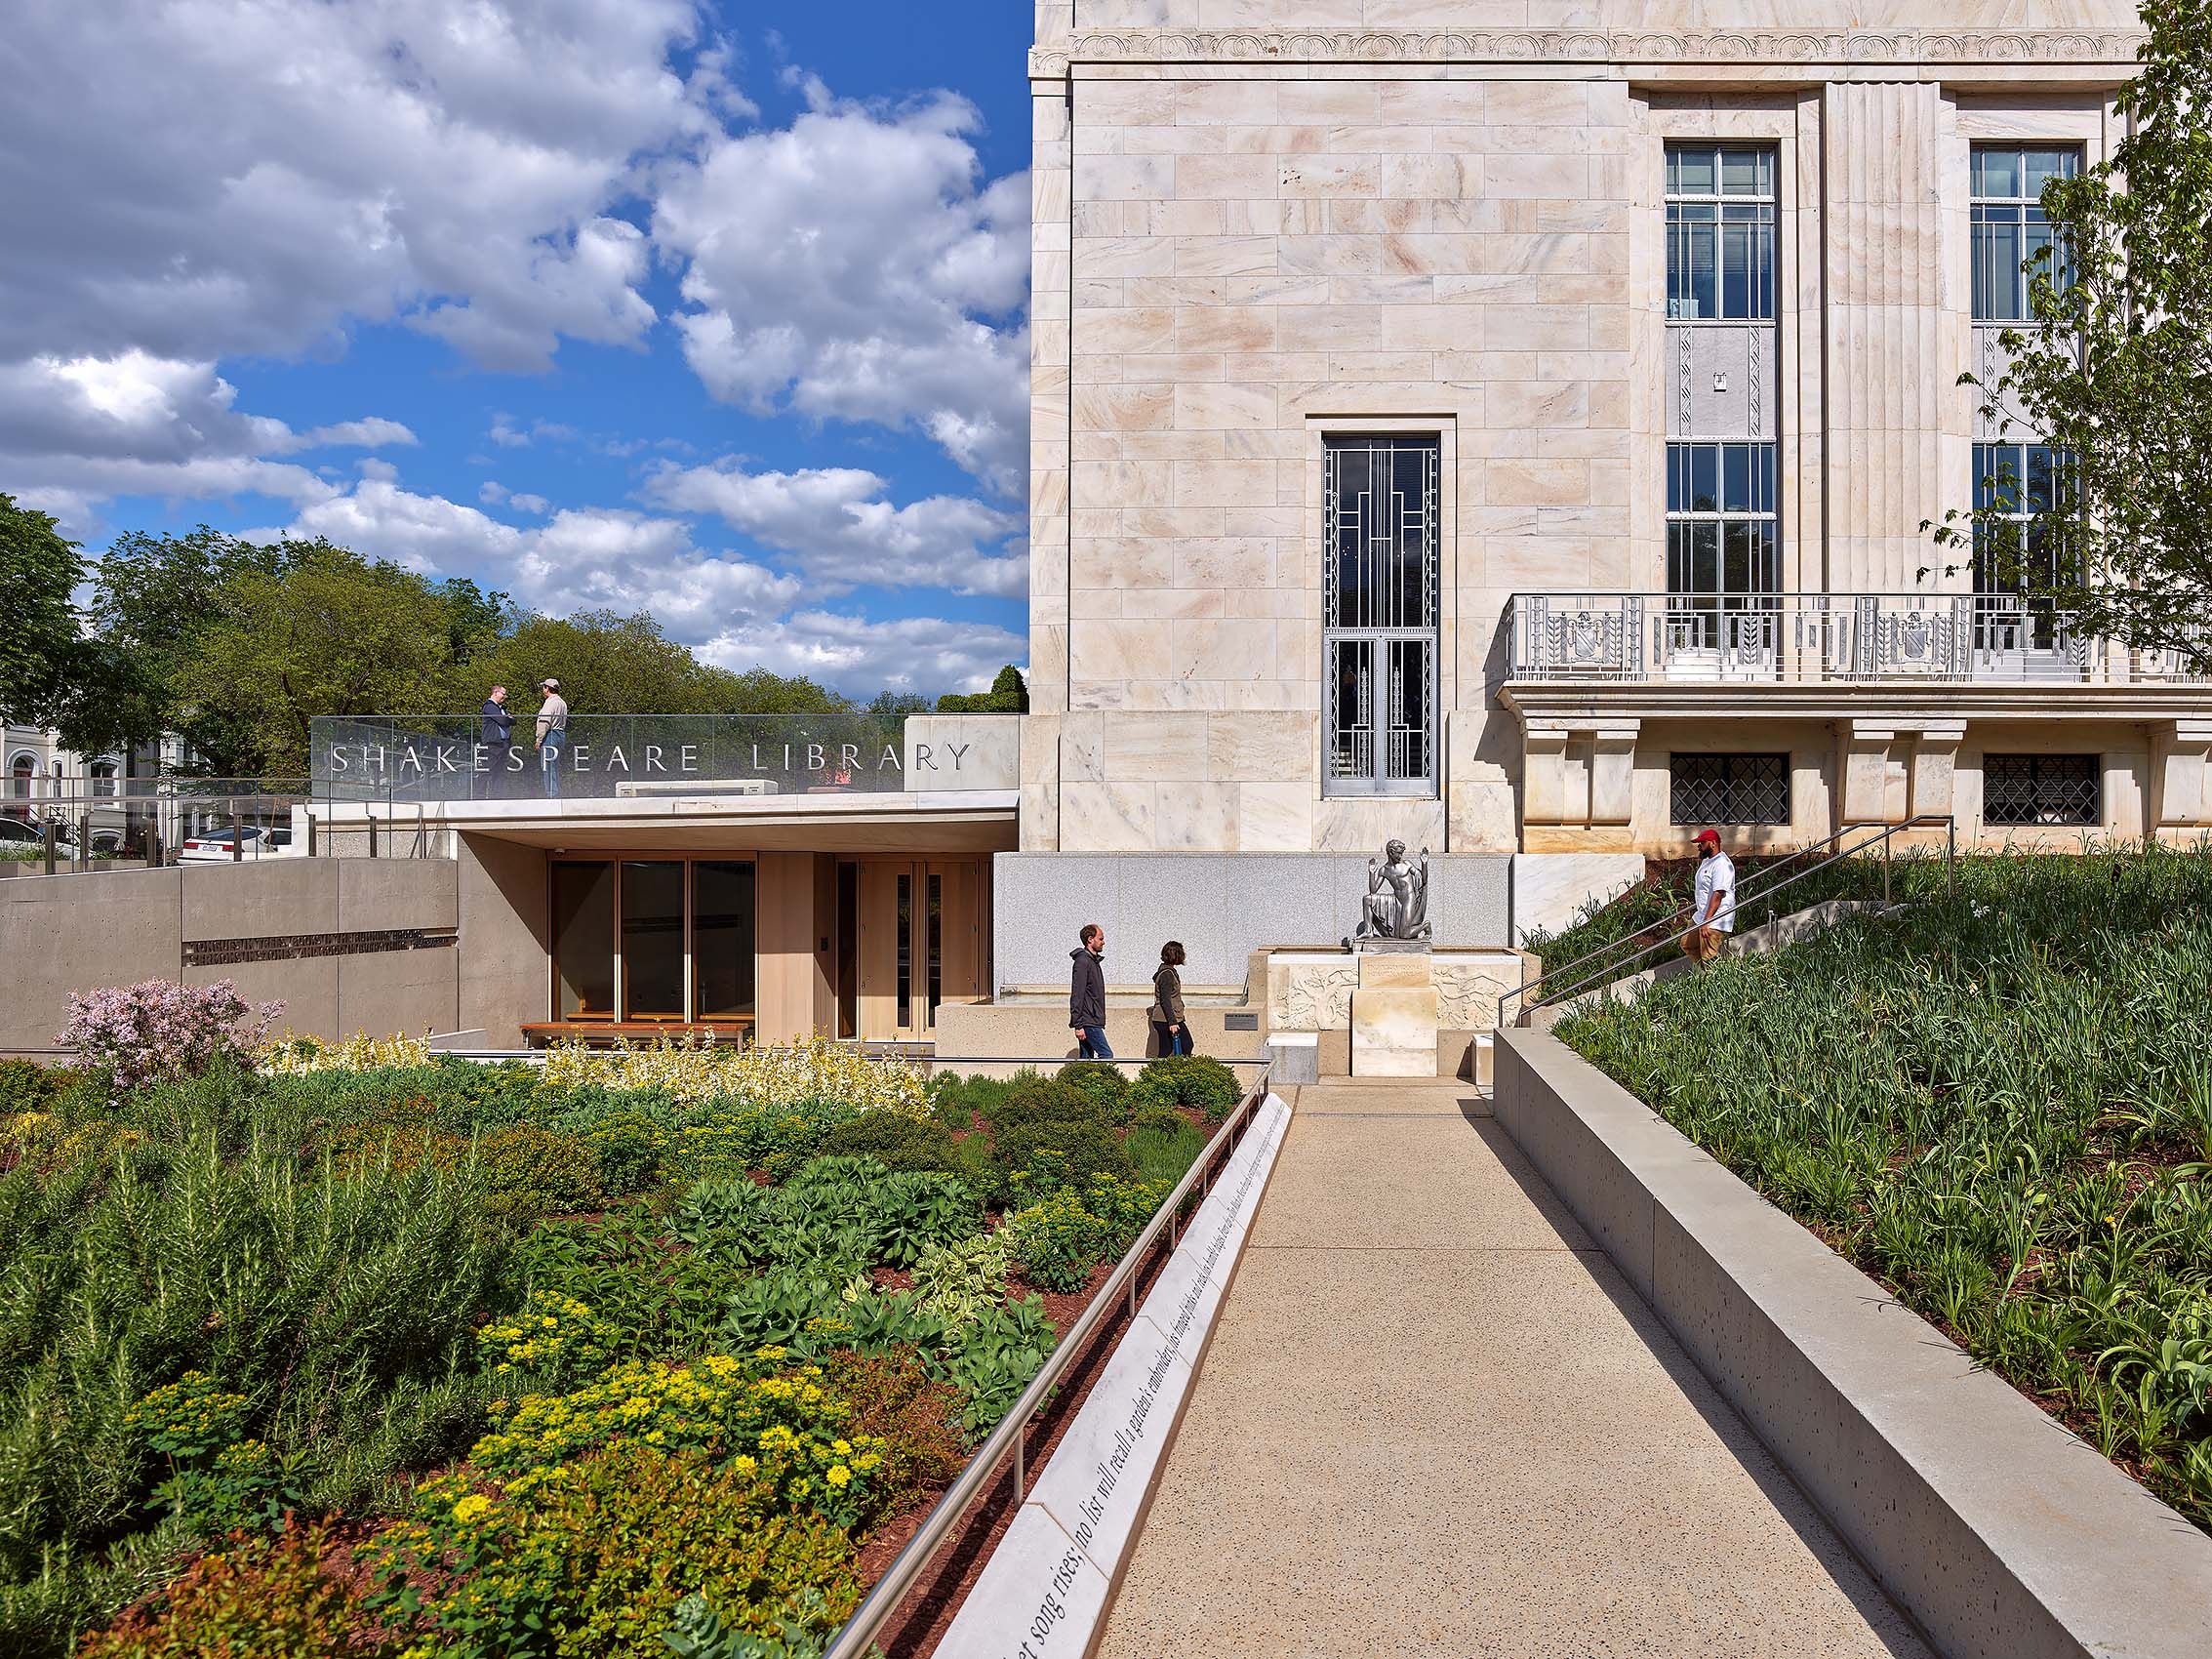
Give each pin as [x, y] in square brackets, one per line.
[1875, 835]
[1009, 1437]
[1262, 1061]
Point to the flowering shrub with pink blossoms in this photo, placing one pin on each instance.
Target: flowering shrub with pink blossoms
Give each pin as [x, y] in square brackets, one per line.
[155, 1030]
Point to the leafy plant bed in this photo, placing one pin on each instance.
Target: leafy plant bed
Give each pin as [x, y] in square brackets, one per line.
[353, 1351]
[1999, 1105]
[1642, 915]
[927, 1611]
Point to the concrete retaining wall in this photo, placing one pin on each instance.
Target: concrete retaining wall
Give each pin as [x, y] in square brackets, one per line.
[202, 922]
[1222, 906]
[2002, 1534]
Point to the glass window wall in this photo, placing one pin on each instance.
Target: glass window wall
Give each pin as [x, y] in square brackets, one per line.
[1720, 218]
[2010, 226]
[584, 940]
[660, 939]
[722, 942]
[653, 938]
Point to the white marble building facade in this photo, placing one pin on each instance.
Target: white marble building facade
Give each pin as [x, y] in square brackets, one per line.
[1509, 426]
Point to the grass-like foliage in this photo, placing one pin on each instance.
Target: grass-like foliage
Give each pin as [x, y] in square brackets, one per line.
[367, 1352]
[326, 1306]
[1998, 1103]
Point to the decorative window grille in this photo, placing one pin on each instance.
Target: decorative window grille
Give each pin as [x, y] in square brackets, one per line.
[1728, 788]
[1380, 563]
[1723, 545]
[2042, 788]
[2009, 224]
[1720, 218]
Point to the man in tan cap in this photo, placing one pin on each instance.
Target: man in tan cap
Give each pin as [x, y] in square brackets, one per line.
[1714, 906]
[552, 735]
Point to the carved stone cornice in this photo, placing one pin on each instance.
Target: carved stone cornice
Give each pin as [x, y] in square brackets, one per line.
[1629, 48]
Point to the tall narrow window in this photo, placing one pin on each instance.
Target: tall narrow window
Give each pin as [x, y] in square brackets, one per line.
[848, 949]
[2018, 561]
[1720, 205]
[1723, 525]
[584, 940]
[1379, 600]
[722, 939]
[906, 982]
[1723, 543]
[653, 938]
[2010, 227]
[936, 944]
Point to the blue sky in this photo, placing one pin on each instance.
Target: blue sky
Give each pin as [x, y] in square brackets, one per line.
[712, 310]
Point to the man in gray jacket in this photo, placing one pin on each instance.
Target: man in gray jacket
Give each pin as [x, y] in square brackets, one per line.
[1086, 994]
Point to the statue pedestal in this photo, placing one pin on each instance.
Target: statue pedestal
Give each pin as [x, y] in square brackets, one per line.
[1394, 1015]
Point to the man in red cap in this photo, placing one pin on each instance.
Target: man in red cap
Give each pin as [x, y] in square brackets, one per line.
[1713, 907]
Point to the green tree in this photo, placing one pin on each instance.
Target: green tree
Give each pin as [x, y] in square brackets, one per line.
[1008, 694]
[327, 632]
[2113, 367]
[613, 664]
[41, 648]
[153, 599]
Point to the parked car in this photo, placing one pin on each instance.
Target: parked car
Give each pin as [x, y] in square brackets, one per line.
[214, 846]
[16, 833]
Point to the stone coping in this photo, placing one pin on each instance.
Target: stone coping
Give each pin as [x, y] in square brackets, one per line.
[1045, 1590]
[2001, 1533]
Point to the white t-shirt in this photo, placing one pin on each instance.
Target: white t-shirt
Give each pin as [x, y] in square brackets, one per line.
[1717, 874]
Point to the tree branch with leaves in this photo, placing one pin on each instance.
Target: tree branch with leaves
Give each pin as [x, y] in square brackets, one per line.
[2112, 369]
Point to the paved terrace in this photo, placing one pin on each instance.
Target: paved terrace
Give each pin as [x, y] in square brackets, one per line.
[1434, 1420]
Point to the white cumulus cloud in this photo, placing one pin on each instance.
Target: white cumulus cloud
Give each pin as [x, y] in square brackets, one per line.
[922, 654]
[836, 524]
[857, 266]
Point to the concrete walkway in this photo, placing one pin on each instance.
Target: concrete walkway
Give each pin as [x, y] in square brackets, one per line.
[1434, 1420]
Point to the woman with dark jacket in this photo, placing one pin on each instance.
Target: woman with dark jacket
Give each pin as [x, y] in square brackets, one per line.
[1169, 1024]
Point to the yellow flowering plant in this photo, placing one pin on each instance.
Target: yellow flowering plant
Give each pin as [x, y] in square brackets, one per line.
[293, 1055]
[784, 1425]
[768, 1075]
[552, 1338]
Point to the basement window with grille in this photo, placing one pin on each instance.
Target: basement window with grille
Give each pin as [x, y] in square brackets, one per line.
[1380, 580]
[1728, 788]
[2064, 789]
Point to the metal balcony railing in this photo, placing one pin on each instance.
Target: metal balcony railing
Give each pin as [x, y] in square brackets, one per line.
[1642, 638]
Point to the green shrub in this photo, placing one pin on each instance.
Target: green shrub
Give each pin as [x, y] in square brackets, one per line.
[531, 1172]
[1039, 1101]
[594, 1564]
[1101, 1082]
[957, 1102]
[265, 1598]
[27, 1086]
[993, 1361]
[726, 1139]
[895, 1400]
[1157, 1116]
[646, 1295]
[1038, 1154]
[897, 1141]
[1057, 1241]
[628, 1147]
[1195, 1081]
[916, 1210]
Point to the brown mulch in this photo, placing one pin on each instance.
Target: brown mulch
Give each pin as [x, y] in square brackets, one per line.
[914, 1631]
